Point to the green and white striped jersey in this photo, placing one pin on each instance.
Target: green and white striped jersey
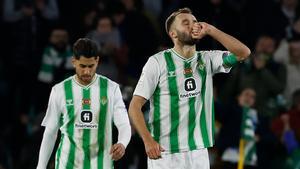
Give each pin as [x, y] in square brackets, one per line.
[84, 115]
[180, 91]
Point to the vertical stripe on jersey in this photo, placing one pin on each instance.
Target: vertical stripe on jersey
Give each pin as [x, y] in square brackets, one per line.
[156, 118]
[192, 113]
[86, 105]
[70, 124]
[102, 119]
[58, 152]
[202, 72]
[174, 106]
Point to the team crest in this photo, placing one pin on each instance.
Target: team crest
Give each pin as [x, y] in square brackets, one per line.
[86, 101]
[103, 100]
[188, 71]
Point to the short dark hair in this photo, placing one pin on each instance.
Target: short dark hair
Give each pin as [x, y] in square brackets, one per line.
[172, 17]
[85, 47]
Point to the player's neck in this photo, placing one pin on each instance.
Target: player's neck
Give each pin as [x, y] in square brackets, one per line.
[185, 51]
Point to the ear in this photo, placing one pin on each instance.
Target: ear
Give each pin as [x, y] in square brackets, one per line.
[73, 61]
[173, 34]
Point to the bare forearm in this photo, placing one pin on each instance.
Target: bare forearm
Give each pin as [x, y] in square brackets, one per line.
[230, 43]
[138, 121]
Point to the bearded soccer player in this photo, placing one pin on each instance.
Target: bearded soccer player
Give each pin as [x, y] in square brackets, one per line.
[178, 83]
[83, 107]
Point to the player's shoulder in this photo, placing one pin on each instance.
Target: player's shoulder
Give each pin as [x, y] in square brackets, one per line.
[60, 85]
[160, 55]
[110, 82]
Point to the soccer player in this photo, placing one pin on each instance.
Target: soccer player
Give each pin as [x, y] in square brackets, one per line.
[178, 83]
[83, 107]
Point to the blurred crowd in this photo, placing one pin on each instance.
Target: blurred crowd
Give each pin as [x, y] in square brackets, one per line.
[36, 41]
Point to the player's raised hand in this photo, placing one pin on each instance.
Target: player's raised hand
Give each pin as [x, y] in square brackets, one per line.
[153, 149]
[117, 151]
[200, 29]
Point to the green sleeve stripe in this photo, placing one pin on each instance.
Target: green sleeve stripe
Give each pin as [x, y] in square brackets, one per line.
[230, 60]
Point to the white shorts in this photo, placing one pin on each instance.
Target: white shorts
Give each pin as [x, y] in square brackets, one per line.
[196, 159]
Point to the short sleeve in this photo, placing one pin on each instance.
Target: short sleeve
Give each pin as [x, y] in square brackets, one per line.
[216, 58]
[148, 79]
[53, 112]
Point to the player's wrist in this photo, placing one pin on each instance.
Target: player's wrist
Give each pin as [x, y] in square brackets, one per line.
[211, 30]
[148, 139]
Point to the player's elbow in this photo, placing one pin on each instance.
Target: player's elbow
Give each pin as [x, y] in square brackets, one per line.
[244, 54]
[135, 105]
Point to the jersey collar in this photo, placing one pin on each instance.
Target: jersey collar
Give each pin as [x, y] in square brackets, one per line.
[86, 86]
[181, 57]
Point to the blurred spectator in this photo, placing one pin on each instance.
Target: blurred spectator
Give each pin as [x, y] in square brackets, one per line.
[287, 129]
[56, 65]
[27, 23]
[287, 126]
[78, 16]
[262, 73]
[288, 53]
[257, 18]
[286, 14]
[108, 40]
[153, 7]
[137, 33]
[30, 22]
[232, 130]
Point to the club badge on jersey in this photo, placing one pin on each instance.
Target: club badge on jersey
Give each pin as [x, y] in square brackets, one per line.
[201, 65]
[188, 71]
[103, 100]
[86, 102]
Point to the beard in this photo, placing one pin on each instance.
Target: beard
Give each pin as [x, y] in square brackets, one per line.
[186, 39]
[85, 79]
